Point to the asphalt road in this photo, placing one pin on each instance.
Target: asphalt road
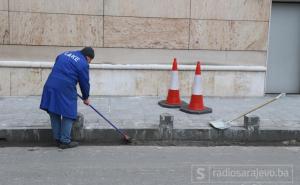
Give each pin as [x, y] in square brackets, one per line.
[145, 165]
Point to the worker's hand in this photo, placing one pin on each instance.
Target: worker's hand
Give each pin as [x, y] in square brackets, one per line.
[87, 102]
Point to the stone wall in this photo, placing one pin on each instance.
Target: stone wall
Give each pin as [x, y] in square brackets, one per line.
[216, 32]
[230, 25]
[136, 81]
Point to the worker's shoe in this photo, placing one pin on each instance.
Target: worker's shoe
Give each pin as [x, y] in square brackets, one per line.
[57, 142]
[72, 144]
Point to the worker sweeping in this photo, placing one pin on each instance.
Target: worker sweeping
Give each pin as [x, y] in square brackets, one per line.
[59, 96]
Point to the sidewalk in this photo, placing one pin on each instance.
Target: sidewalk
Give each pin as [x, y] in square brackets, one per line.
[23, 121]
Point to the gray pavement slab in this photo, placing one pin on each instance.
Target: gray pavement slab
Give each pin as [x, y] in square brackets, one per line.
[144, 112]
[24, 123]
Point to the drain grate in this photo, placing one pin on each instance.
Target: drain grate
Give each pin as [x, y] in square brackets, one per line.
[3, 139]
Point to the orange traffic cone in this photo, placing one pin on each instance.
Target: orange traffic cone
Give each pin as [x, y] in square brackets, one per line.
[173, 99]
[196, 105]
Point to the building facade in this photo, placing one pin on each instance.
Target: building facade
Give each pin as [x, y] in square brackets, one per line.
[136, 41]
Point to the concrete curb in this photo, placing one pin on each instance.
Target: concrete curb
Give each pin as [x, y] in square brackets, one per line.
[201, 137]
[164, 134]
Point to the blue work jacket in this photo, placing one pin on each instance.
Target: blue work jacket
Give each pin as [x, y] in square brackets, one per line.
[59, 92]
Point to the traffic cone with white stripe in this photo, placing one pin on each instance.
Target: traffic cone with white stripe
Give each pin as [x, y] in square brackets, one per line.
[196, 105]
[173, 99]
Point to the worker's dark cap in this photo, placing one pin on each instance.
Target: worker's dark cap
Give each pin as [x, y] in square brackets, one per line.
[88, 51]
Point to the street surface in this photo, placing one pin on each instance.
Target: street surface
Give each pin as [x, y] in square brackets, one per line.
[143, 165]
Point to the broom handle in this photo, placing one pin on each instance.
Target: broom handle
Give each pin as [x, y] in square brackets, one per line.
[117, 129]
[258, 107]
